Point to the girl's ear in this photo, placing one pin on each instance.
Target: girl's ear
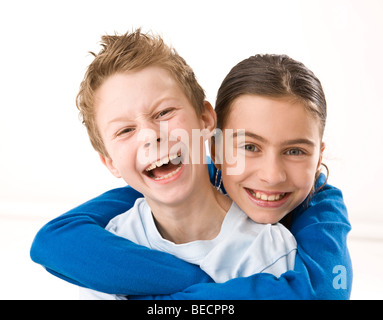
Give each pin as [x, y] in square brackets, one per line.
[323, 146]
[108, 162]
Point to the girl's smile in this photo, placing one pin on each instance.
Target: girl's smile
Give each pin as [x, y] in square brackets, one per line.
[268, 199]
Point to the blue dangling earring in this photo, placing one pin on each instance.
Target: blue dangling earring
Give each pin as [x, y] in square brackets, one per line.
[220, 180]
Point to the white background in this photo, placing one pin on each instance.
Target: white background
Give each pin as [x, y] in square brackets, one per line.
[47, 165]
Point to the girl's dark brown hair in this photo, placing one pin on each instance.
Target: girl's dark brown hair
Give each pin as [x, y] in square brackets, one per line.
[275, 76]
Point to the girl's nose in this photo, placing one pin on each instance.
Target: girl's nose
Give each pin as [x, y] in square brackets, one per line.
[271, 170]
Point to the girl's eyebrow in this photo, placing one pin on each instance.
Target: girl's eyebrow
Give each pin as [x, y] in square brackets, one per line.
[245, 133]
[299, 141]
[264, 140]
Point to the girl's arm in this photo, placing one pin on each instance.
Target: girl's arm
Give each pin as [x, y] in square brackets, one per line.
[322, 267]
[76, 247]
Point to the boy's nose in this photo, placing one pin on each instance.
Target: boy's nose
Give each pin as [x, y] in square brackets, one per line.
[152, 134]
[147, 144]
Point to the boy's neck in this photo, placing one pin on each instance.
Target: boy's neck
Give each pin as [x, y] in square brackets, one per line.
[198, 218]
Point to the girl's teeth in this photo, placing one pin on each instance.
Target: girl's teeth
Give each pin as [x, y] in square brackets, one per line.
[264, 197]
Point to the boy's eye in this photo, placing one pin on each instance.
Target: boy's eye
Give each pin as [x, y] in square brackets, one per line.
[124, 131]
[163, 113]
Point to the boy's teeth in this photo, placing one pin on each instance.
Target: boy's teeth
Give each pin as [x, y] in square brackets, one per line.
[264, 197]
[151, 167]
[162, 161]
[169, 174]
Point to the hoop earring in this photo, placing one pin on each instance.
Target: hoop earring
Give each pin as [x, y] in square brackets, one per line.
[220, 180]
[317, 174]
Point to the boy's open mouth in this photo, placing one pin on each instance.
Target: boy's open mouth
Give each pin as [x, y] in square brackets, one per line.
[164, 168]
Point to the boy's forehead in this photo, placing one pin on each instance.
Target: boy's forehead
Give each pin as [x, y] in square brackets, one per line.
[126, 96]
[144, 87]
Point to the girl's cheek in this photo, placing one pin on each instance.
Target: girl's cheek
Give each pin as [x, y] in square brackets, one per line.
[234, 160]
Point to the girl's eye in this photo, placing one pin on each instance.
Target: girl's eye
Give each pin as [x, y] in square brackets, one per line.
[294, 152]
[250, 147]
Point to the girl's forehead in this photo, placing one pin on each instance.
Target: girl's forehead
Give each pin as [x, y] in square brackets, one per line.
[272, 116]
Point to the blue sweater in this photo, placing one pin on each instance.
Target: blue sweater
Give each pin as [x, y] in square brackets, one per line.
[75, 247]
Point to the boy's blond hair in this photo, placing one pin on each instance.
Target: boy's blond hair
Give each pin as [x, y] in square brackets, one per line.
[132, 52]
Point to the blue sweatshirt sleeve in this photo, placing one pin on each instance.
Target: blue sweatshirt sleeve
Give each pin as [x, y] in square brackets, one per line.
[75, 247]
[322, 266]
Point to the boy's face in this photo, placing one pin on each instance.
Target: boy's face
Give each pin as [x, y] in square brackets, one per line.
[145, 117]
[282, 151]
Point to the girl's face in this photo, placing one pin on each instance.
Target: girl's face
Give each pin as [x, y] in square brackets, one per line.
[282, 150]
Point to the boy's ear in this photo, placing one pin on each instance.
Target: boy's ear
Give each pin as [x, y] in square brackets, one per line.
[109, 164]
[209, 117]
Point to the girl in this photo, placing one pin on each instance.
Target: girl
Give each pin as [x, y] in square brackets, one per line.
[281, 106]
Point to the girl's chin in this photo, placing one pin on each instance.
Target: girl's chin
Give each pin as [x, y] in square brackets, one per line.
[267, 217]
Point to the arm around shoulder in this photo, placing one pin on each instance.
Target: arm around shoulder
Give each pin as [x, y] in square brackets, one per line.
[76, 248]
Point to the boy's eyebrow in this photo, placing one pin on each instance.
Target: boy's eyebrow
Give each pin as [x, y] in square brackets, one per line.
[117, 119]
[152, 109]
[264, 140]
